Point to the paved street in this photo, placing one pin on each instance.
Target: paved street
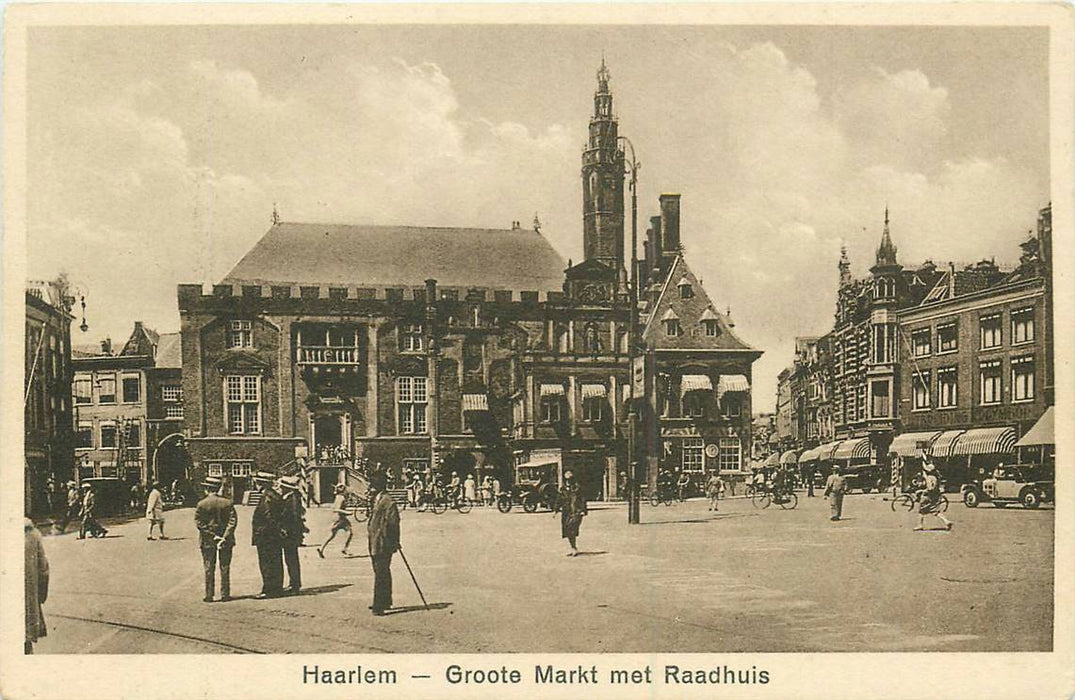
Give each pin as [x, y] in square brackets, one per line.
[685, 580]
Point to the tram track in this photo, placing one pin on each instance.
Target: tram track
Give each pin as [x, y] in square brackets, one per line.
[176, 635]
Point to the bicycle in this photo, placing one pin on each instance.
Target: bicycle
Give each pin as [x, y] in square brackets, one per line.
[661, 495]
[359, 506]
[908, 501]
[433, 501]
[762, 498]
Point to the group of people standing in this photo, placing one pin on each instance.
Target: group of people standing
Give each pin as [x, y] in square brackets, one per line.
[82, 506]
[427, 485]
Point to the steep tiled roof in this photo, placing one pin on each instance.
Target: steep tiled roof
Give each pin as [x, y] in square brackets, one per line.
[295, 253]
[168, 351]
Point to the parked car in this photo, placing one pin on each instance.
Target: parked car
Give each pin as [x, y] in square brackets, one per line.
[866, 477]
[535, 485]
[1015, 484]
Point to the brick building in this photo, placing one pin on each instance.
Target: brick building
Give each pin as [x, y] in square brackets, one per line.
[463, 349]
[47, 396]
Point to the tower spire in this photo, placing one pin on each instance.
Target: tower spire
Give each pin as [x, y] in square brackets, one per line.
[603, 180]
[886, 252]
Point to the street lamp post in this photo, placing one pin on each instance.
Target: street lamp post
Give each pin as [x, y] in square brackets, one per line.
[633, 485]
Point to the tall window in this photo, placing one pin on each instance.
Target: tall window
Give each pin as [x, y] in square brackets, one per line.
[241, 469]
[108, 435]
[134, 434]
[412, 399]
[550, 409]
[1023, 378]
[693, 459]
[410, 337]
[83, 391]
[989, 331]
[694, 404]
[671, 328]
[733, 404]
[84, 436]
[132, 389]
[881, 407]
[106, 390]
[240, 334]
[920, 390]
[948, 387]
[920, 342]
[243, 396]
[989, 388]
[593, 410]
[1023, 325]
[729, 457]
[947, 337]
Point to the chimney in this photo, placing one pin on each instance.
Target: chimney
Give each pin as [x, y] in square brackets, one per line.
[654, 234]
[669, 223]
[106, 346]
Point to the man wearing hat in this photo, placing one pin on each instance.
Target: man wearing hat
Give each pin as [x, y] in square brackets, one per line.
[74, 505]
[383, 531]
[266, 533]
[216, 521]
[342, 522]
[293, 530]
[929, 501]
[835, 487]
[155, 510]
[89, 518]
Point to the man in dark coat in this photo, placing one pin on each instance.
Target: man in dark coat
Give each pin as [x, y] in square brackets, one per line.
[74, 506]
[572, 506]
[267, 535]
[293, 530]
[383, 531]
[216, 521]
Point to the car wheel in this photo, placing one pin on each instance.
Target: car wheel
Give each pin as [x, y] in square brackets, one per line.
[971, 498]
[1030, 498]
[530, 505]
[503, 504]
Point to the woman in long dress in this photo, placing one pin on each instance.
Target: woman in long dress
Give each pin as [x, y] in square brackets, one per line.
[572, 506]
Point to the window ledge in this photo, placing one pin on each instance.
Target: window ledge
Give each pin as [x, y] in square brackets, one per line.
[1023, 343]
[1028, 400]
[947, 408]
[953, 351]
[991, 403]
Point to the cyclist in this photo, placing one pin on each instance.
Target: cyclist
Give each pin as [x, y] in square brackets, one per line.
[929, 498]
[779, 484]
[682, 484]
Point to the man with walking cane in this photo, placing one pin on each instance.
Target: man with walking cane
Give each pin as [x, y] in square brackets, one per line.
[383, 531]
[216, 521]
[266, 535]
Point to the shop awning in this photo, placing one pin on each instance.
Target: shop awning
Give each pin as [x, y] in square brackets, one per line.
[732, 382]
[907, 444]
[855, 448]
[1042, 433]
[942, 446]
[789, 457]
[985, 441]
[552, 390]
[594, 391]
[475, 402]
[808, 456]
[695, 382]
[773, 460]
[824, 452]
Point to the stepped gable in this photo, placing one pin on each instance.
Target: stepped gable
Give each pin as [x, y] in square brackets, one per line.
[691, 312]
[298, 253]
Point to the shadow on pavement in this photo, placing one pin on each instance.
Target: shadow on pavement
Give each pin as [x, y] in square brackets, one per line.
[416, 608]
[318, 590]
[591, 554]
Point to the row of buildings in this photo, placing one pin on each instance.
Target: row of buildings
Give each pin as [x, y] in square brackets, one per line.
[461, 350]
[957, 362]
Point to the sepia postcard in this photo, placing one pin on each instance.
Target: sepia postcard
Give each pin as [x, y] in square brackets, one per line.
[490, 350]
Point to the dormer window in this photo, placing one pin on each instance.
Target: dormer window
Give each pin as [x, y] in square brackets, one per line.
[671, 328]
[685, 290]
[710, 324]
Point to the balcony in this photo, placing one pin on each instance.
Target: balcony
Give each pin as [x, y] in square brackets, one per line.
[327, 355]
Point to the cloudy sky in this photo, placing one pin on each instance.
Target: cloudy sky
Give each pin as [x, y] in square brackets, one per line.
[156, 154]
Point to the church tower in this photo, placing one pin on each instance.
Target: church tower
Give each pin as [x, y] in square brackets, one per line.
[602, 182]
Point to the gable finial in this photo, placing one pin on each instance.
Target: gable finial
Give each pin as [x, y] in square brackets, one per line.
[275, 214]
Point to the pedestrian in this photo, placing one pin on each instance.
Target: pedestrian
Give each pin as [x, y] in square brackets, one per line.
[216, 521]
[470, 490]
[835, 487]
[266, 534]
[712, 489]
[74, 506]
[682, 484]
[175, 491]
[37, 585]
[414, 489]
[342, 523]
[929, 501]
[808, 474]
[383, 532]
[155, 510]
[571, 503]
[454, 487]
[136, 496]
[88, 514]
[293, 531]
[496, 489]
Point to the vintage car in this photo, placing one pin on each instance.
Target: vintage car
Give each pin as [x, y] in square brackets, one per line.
[866, 477]
[535, 485]
[1014, 484]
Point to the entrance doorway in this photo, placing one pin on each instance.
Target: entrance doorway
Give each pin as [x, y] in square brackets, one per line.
[328, 439]
[327, 478]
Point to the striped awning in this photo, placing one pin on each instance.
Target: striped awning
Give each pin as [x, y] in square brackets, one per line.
[855, 448]
[552, 390]
[594, 391]
[695, 382]
[907, 444]
[732, 382]
[824, 452]
[788, 457]
[942, 446]
[1043, 432]
[808, 456]
[985, 441]
[773, 460]
[475, 402]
